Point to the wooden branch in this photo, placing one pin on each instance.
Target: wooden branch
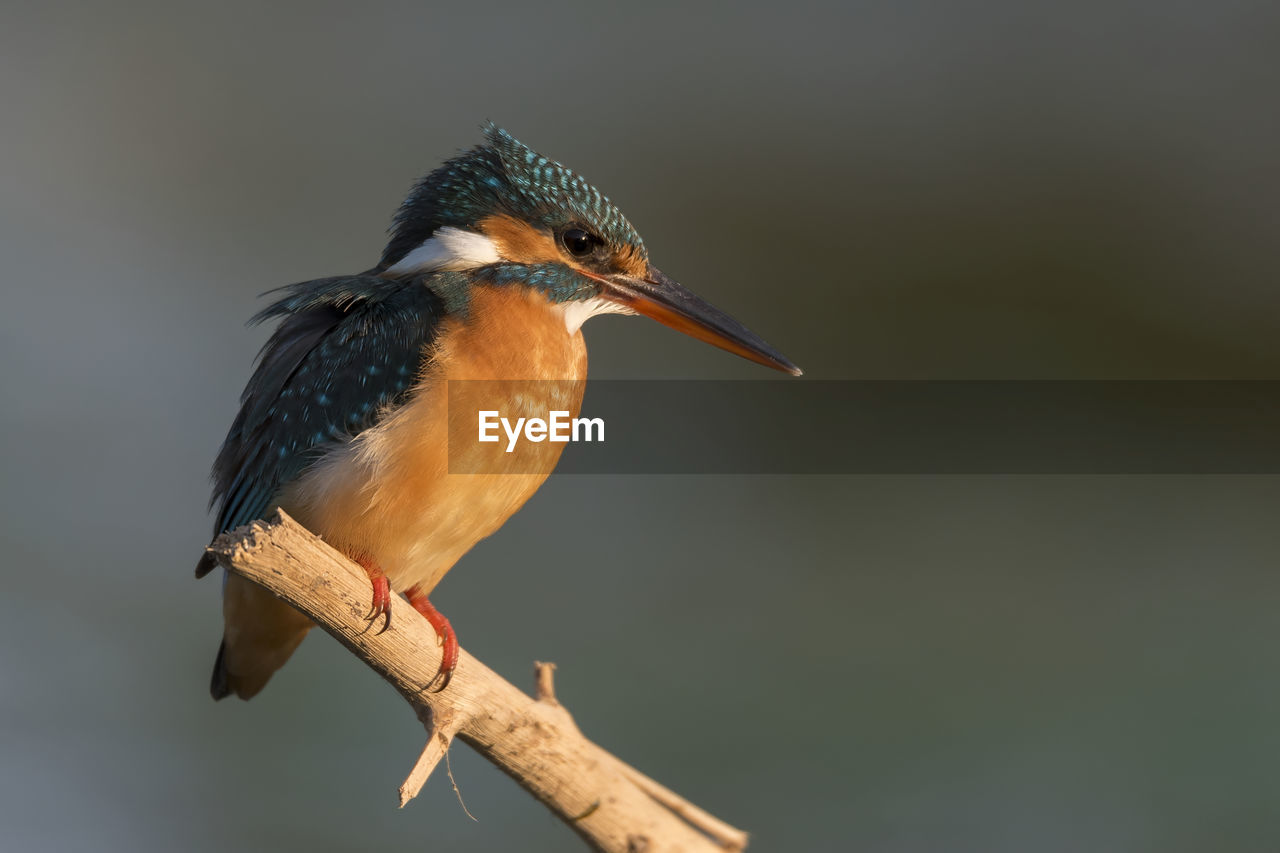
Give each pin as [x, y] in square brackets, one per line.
[611, 805]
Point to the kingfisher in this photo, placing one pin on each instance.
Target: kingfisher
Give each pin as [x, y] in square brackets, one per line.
[494, 262]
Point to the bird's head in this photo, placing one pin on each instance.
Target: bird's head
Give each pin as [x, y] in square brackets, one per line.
[511, 216]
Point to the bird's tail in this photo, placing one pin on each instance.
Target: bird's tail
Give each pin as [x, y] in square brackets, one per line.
[260, 634]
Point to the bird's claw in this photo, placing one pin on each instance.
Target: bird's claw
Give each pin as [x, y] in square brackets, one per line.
[444, 676]
[448, 641]
[381, 602]
[446, 638]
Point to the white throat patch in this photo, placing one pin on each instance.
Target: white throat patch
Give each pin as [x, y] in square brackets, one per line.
[449, 248]
[579, 312]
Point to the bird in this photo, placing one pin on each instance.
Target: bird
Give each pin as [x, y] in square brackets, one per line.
[494, 262]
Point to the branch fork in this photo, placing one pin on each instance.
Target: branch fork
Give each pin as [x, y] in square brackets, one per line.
[534, 740]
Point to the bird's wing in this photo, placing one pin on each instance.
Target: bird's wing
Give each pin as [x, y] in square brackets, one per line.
[347, 350]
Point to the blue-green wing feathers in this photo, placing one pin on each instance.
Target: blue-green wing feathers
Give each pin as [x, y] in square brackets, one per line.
[347, 351]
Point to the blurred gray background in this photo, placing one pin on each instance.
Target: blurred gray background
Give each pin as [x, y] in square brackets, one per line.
[883, 190]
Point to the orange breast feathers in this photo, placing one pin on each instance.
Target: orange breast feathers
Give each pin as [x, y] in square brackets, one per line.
[388, 495]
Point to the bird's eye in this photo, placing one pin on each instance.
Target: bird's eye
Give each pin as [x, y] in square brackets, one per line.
[580, 243]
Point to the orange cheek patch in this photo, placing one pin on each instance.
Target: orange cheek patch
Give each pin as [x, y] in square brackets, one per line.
[520, 242]
[632, 262]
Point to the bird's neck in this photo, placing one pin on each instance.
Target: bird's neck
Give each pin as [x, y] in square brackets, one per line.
[510, 332]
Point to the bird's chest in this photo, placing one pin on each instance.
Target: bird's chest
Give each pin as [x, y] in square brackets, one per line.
[419, 490]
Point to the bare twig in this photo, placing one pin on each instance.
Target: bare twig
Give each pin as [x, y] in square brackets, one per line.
[442, 735]
[544, 682]
[611, 805]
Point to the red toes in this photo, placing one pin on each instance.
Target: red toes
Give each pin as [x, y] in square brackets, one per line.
[444, 631]
[381, 592]
[444, 635]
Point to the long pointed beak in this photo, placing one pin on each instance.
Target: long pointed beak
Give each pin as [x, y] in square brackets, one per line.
[673, 305]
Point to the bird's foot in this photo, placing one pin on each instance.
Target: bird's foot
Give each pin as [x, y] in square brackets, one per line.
[381, 593]
[445, 636]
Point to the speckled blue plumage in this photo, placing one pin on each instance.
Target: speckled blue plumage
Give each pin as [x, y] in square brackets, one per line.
[347, 351]
[504, 176]
[559, 282]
